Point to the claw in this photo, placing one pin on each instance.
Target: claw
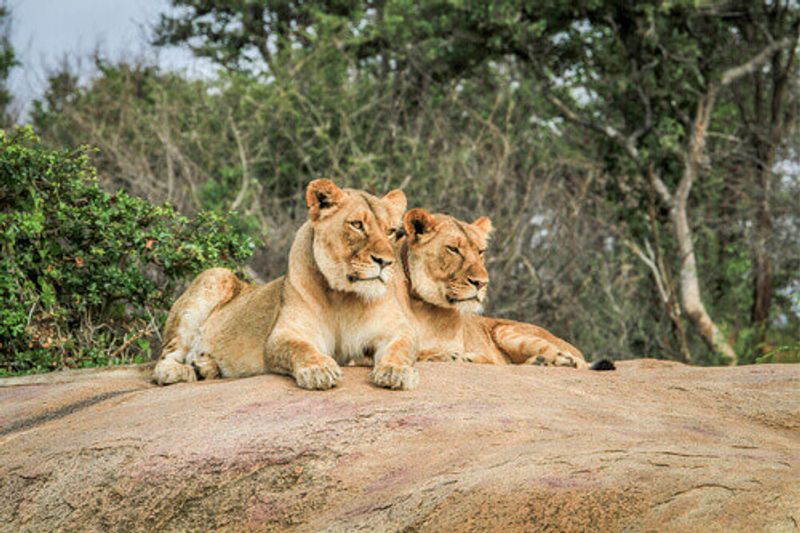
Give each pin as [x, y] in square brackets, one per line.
[395, 377]
[321, 376]
[168, 371]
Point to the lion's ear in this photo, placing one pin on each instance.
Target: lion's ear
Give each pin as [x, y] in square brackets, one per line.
[323, 198]
[396, 203]
[483, 225]
[419, 222]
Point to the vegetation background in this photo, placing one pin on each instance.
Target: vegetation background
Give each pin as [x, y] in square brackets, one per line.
[640, 161]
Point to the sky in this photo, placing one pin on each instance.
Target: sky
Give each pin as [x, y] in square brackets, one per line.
[44, 32]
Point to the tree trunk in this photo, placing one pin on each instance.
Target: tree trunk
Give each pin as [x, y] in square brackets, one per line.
[672, 306]
[762, 263]
[690, 286]
[694, 158]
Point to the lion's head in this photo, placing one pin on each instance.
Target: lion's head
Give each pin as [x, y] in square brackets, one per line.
[353, 234]
[445, 259]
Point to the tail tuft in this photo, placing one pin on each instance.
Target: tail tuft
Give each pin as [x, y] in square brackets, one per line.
[602, 364]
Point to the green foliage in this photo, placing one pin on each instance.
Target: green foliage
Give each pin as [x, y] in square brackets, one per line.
[248, 35]
[87, 276]
[788, 353]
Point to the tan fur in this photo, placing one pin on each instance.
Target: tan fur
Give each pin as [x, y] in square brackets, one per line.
[341, 299]
[443, 261]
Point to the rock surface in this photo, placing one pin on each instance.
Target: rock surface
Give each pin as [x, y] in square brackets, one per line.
[653, 446]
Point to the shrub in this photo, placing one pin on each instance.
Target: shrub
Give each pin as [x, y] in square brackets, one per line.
[87, 277]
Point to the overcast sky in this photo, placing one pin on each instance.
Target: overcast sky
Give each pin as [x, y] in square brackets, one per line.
[46, 31]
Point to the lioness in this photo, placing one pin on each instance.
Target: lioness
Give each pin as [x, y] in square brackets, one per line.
[338, 302]
[443, 259]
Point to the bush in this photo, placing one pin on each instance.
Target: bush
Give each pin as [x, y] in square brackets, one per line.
[87, 277]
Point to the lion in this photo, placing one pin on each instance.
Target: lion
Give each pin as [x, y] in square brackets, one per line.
[339, 302]
[443, 259]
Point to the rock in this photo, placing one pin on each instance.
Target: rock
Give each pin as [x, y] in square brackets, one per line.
[652, 446]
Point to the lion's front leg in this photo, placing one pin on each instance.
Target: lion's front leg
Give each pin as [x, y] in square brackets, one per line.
[310, 368]
[532, 345]
[394, 365]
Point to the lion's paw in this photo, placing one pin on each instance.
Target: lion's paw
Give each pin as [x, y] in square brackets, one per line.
[565, 359]
[471, 357]
[442, 357]
[396, 377]
[557, 359]
[540, 360]
[205, 367]
[168, 371]
[323, 375]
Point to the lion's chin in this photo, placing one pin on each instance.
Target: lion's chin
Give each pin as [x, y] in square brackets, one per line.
[468, 307]
[369, 290]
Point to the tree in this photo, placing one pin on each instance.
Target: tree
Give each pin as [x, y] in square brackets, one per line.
[765, 109]
[8, 60]
[247, 35]
[711, 80]
[644, 76]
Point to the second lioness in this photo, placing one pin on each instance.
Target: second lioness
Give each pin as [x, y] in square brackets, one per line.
[443, 259]
[341, 299]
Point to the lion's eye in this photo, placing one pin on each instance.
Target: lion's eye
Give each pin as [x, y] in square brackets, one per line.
[481, 252]
[391, 232]
[453, 250]
[357, 224]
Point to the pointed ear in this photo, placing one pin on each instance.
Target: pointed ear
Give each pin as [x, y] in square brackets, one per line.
[395, 202]
[483, 225]
[323, 198]
[419, 222]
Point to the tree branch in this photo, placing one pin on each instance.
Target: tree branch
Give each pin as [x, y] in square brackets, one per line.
[648, 258]
[757, 61]
[627, 143]
[245, 167]
[659, 186]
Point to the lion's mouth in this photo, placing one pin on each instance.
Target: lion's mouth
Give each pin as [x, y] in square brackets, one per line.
[452, 300]
[352, 278]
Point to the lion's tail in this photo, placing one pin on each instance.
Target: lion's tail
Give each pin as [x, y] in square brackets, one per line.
[602, 365]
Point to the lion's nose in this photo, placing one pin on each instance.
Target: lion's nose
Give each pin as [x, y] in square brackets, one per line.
[477, 283]
[381, 261]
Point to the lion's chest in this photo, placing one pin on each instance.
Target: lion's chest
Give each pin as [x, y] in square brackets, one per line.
[440, 330]
[357, 337]
[361, 332]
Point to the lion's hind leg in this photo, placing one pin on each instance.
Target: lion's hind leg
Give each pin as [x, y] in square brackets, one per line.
[532, 345]
[182, 358]
[437, 356]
